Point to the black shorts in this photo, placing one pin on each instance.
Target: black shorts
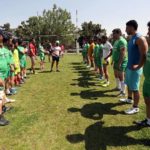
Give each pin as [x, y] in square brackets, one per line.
[55, 58]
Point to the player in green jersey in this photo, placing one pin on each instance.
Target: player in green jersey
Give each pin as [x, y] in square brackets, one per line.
[119, 59]
[42, 55]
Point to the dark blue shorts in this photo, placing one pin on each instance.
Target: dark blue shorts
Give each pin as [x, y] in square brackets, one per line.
[55, 58]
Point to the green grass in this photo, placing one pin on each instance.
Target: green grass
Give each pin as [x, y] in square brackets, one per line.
[71, 111]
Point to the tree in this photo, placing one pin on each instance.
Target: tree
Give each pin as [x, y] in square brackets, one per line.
[55, 22]
[90, 30]
[6, 27]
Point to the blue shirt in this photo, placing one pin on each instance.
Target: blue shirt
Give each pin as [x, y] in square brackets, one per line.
[133, 51]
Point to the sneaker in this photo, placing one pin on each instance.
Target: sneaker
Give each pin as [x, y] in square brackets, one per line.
[91, 69]
[9, 100]
[132, 111]
[126, 100]
[5, 109]
[3, 121]
[88, 66]
[121, 94]
[101, 78]
[117, 89]
[57, 70]
[142, 123]
[106, 84]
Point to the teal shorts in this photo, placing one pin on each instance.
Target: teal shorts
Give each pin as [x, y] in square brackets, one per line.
[132, 79]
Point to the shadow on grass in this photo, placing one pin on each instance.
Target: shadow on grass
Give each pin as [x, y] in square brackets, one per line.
[85, 77]
[35, 68]
[98, 137]
[96, 111]
[45, 71]
[92, 94]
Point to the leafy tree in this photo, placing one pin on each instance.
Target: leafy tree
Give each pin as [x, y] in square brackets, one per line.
[90, 30]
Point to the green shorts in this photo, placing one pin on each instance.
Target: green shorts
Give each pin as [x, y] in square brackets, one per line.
[23, 63]
[98, 62]
[42, 57]
[2, 76]
[12, 74]
[84, 53]
[146, 89]
[8, 73]
[122, 68]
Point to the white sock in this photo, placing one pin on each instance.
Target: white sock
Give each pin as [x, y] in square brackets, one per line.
[118, 83]
[123, 87]
[148, 121]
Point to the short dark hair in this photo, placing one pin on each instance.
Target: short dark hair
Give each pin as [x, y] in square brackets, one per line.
[117, 31]
[104, 37]
[132, 23]
[20, 41]
[148, 24]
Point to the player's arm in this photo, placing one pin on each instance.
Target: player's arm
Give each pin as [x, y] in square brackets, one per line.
[109, 54]
[143, 47]
[122, 54]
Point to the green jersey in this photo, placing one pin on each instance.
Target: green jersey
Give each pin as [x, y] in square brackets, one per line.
[146, 69]
[3, 60]
[99, 52]
[21, 52]
[86, 47]
[118, 45]
[41, 50]
[96, 49]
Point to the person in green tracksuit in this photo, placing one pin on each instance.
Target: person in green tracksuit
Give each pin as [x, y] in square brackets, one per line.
[22, 57]
[10, 69]
[99, 58]
[146, 86]
[85, 52]
[120, 59]
[3, 75]
[42, 55]
[96, 48]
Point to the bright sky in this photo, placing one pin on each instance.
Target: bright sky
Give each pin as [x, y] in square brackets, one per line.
[109, 13]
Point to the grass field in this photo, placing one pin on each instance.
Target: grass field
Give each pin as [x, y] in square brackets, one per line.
[71, 111]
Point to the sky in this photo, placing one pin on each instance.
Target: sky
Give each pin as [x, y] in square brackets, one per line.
[109, 13]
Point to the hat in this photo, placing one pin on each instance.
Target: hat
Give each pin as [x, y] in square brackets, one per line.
[57, 42]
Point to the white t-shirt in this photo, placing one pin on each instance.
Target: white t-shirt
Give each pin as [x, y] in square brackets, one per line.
[106, 49]
[56, 51]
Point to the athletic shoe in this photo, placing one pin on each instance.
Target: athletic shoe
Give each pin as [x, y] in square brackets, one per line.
[91, 69]
[106, 84]
[5, 109]
[57, 70]
[132, 111]
[88, 66]
[3, 121]
[9, 100]
[117, 89]
[8, 93]
[101, 78]
[126, 100]
[121, 94]
[142, 123]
